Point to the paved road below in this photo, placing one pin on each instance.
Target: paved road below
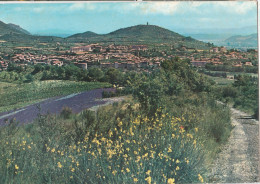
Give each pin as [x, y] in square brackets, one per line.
[77, 102]
[238, 162]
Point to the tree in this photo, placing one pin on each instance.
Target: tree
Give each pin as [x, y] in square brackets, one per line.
[37, 68]
[95, 74]
[149, 93]
[29, 78]
[114, 76]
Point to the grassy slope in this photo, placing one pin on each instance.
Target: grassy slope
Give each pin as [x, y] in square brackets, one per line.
[18, 95]
[116, 145]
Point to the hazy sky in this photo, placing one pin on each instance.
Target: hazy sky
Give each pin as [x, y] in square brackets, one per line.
[104, 17]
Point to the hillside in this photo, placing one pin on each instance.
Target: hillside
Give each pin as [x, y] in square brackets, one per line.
[140, 34]
[242, 41]
[24, 38]
[87, 34]
[14, 33]
[17, 27]
[11, 28]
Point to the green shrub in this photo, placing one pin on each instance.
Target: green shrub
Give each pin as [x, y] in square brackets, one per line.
[66, 112]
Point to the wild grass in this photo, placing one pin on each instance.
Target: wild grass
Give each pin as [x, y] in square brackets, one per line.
[117, 144]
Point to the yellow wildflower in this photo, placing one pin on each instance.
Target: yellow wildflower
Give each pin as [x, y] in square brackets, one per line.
[194, 142]
[114, 172]
[169, 149]
[145, 155]
[148, 179]
[189, 135]
[148, 172]
[138, 158]
[171, 181]
[135, 180]
[110, 133]
[72, 169]
[59, 165]
[16, 167]
[127, 170]
[53, 150]
[187, 161]
[200, 178]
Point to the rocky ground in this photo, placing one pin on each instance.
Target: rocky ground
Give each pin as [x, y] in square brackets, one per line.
[239, 159]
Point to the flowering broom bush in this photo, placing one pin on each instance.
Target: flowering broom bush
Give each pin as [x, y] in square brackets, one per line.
[142, 150]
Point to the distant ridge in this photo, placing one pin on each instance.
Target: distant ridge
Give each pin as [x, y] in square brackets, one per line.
[19, 28]
[243, 41]
[25, 38]
[87, 34]
[11, 28]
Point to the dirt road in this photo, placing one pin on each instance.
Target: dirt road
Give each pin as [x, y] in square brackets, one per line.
[239, 159]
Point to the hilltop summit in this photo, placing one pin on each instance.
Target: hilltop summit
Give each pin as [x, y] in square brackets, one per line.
[141, 34]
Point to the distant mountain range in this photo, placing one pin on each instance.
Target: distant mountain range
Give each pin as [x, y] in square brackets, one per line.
[242, 41]
[139, 34]
[220, 31]
[228, 40]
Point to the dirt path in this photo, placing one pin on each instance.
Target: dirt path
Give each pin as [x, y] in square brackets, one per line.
[238, 160]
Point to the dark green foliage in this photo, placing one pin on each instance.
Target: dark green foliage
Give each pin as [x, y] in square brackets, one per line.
[149, 94]
[243, 93]
[118, 92]
[229, 91]
[84, 124]
[230, 68]
[114, 76]
[37, 68]
[66, 112]
[186, 75]
[95, 74]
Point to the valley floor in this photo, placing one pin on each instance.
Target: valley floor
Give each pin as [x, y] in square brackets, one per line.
[239, 159]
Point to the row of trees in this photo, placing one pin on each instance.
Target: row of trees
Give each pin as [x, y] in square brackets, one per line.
[229, 68]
